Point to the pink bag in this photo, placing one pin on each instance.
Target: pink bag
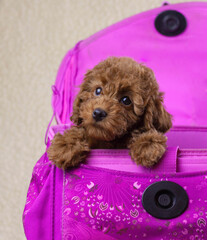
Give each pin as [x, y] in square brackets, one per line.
[110, 199]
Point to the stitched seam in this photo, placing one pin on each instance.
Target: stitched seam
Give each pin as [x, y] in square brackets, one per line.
[151, 175]
[53, 204]
[192, 153]
[63, 198]
[188, 129]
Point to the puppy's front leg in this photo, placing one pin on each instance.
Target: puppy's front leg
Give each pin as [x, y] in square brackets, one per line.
[147, 148]
[69, 149]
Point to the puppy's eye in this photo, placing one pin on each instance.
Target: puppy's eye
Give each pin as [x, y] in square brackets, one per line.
[98, 91]
[126, 100]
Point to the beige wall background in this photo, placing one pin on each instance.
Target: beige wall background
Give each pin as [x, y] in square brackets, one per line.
[34, 36]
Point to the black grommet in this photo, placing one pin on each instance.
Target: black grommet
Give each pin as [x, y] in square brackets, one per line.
[165, 200]
[170, 23]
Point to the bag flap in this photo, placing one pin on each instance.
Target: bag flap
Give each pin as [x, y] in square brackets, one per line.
[179, 62]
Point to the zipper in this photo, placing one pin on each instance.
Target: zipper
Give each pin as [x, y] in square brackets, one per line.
[189, 129]
[125, 152]
[192, 152]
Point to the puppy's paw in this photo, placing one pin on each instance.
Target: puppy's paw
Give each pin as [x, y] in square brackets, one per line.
[147, 149]
[69, 149]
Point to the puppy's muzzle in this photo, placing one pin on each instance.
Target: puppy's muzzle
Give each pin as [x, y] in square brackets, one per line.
[99, 114]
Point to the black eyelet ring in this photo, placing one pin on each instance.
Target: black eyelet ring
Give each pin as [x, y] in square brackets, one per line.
[165, 200]
[170, 23]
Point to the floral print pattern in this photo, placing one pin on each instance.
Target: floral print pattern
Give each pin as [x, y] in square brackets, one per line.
[110, 202]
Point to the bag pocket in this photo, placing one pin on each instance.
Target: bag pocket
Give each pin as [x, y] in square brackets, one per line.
[101, 202]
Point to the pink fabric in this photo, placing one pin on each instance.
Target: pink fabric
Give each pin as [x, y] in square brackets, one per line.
[93, 202]
[188, 137]
[109, 201]
[102, 199]
[37, 212]
[174, 161]
[121, 160]
[179, 62]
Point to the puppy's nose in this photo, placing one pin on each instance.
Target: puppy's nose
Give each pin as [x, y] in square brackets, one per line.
[99, 114]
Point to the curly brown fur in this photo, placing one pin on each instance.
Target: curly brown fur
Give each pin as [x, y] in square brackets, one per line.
[71, 145]
[138, 126]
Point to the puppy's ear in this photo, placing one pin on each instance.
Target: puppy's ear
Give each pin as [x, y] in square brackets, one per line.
[76, 106]
[156, 116]
[82, 95]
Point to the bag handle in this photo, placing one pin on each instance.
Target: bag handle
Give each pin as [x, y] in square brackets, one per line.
[56, 93]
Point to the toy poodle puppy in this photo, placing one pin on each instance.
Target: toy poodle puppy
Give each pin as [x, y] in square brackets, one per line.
[119, 106]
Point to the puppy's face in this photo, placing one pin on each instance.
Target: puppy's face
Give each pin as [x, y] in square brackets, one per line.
[112, 98]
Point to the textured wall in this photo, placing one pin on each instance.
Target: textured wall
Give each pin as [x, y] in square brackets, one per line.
[35, 35]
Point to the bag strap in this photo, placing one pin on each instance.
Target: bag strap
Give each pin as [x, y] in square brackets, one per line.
[56, 95]
[107, 158]
[168, 163]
